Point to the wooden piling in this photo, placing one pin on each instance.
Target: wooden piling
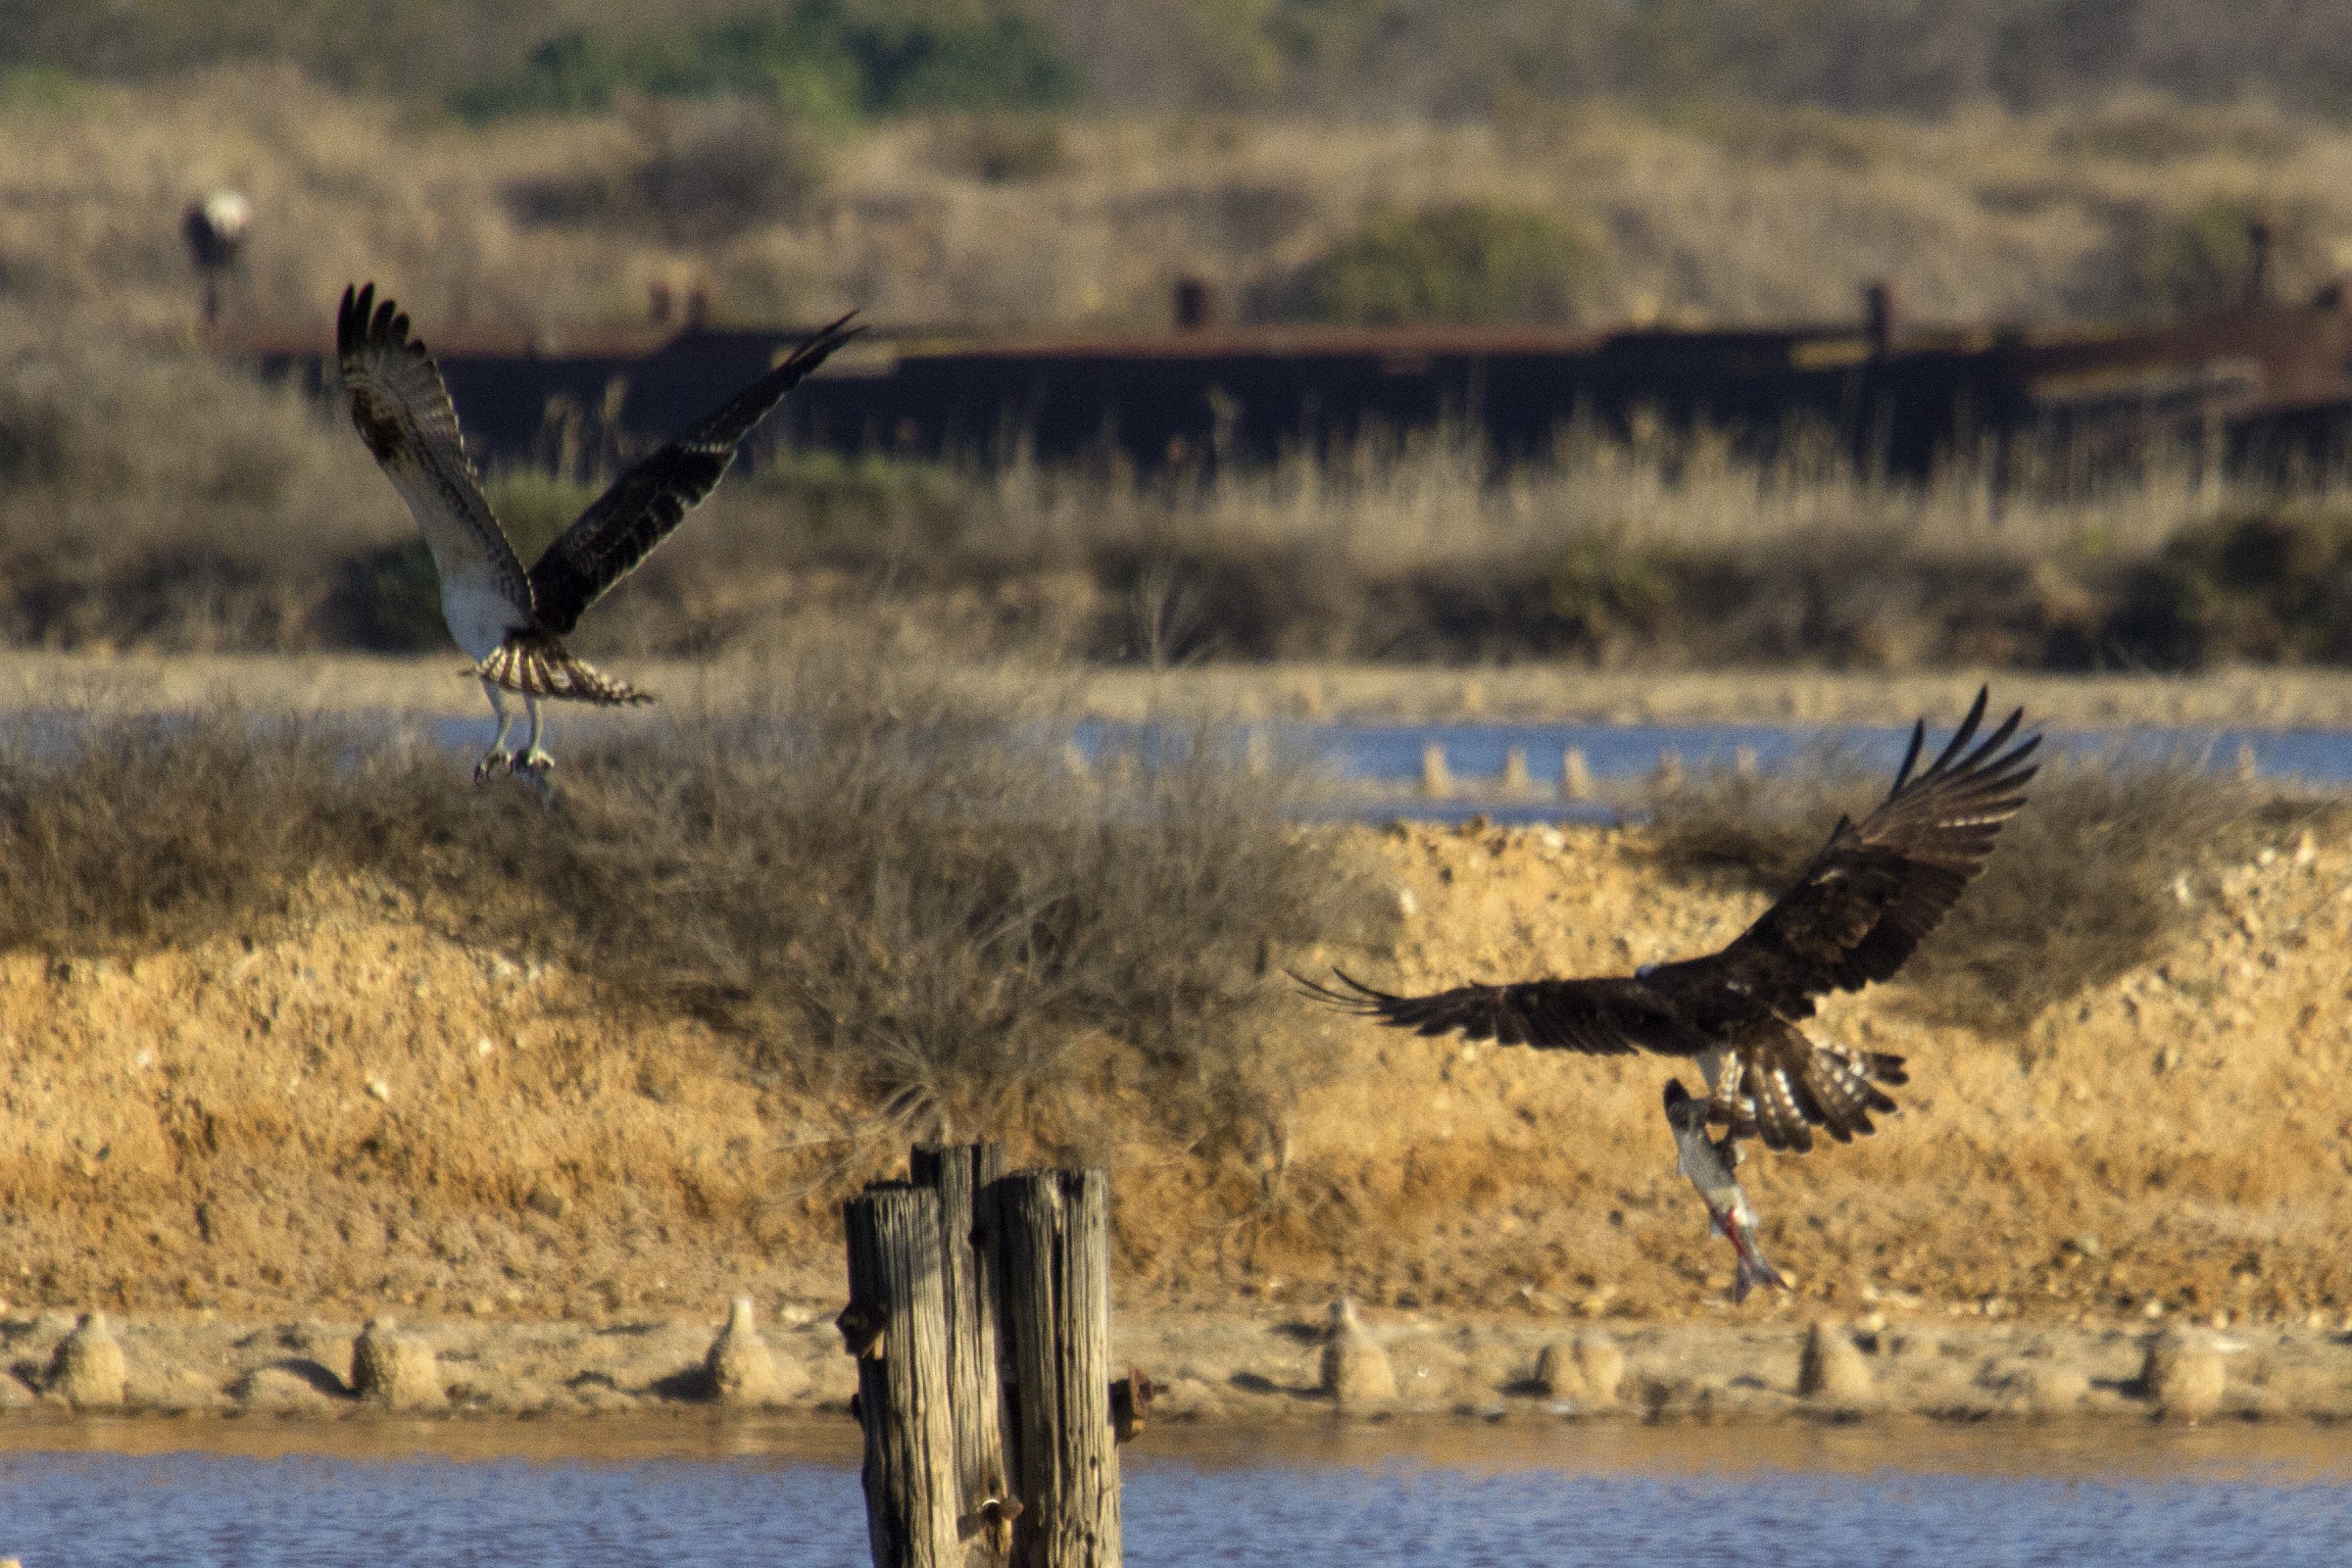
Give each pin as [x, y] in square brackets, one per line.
[1051, 1265]
[1437, 779]
[1576, 774]
[897, 1289]
[959, 1173]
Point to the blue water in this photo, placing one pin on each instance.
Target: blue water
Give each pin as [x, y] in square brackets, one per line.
[1997, 1502]
[1631, 751]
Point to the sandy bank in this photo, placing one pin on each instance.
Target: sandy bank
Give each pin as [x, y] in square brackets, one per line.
[436, 685]
[367, 1107]
[1221, 1369]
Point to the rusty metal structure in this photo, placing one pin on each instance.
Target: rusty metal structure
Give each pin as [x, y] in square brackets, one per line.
[2261, 382]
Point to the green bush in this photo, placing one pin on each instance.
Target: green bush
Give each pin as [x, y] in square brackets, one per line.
[816, 60]
[1466, 264]
[2198, 260]
[2272, 586]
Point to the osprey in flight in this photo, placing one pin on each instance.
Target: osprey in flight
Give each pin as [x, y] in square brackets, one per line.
[1874, 890]
[512, 622]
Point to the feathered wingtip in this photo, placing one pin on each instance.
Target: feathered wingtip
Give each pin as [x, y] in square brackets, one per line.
[820, 343]
[1349, 995]
[361, 321]
[1987, 759]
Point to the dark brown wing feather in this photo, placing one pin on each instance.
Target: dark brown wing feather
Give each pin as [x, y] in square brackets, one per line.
[621, 526]
[1601, 1017]
[1880, 886]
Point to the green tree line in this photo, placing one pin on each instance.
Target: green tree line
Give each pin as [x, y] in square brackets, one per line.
[1356, 57]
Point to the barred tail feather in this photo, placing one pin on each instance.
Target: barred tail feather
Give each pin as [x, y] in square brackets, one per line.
[538, 666]
[1785, 1088]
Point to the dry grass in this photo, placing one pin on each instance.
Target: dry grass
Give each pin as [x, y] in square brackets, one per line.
[2091, 209]
[2080, 889]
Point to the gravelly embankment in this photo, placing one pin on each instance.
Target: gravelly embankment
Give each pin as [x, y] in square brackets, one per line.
[1224, 1370]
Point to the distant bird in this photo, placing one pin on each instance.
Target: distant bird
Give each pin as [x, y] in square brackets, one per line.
[214, 229]
[512, 623]
[1856, 914]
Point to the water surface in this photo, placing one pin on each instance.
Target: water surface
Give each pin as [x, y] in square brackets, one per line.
[688, 1494]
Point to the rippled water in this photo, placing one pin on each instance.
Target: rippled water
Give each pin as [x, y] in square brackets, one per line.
[683, 1497]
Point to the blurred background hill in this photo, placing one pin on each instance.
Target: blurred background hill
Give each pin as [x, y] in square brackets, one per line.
[541, 171]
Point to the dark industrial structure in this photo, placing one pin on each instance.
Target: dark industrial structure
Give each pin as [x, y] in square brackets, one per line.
[2258, 383]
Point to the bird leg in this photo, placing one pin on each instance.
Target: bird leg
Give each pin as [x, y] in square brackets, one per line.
[533, 763]
[497, 759]
[533, 760]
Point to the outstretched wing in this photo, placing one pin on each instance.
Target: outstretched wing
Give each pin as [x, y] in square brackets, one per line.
[1877, 886]
[402, 411]
[621, 526]
[1600, 1017]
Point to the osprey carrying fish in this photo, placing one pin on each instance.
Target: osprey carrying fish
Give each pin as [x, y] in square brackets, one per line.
[512, 622]
[1874, 890]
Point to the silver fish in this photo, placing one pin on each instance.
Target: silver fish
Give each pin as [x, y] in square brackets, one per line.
[1708, 1164]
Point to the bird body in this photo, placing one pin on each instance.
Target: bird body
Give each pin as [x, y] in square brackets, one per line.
[1857, 911]
[509, 621]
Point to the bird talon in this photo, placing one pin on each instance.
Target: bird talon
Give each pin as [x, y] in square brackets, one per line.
[493, 763]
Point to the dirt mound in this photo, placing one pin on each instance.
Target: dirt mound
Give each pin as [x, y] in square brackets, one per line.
[364, 1109]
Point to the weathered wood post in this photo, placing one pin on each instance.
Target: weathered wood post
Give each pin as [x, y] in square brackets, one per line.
[897, 1325]
[1051, 1265]
[959, 1173]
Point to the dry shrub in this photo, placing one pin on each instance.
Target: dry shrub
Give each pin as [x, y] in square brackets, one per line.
[128, 835]
[899, 890]
[706, 174]
[1460, 263]
[2079, 889]
[885, 889]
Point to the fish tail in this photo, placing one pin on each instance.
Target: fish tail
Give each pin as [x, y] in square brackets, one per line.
[1752, 1270]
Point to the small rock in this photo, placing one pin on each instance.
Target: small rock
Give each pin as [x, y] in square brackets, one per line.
[2183, 1375]
[2056, 1389]
[279, 1391]
[1600, 1365]
[1355, 1368]
[1832, 1366]
[1556, 1376]
[14, 1394]
[396, 1370]
[743, 1370]
[88, 1369]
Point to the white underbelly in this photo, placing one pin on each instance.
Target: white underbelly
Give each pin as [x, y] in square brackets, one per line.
[479, 617]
